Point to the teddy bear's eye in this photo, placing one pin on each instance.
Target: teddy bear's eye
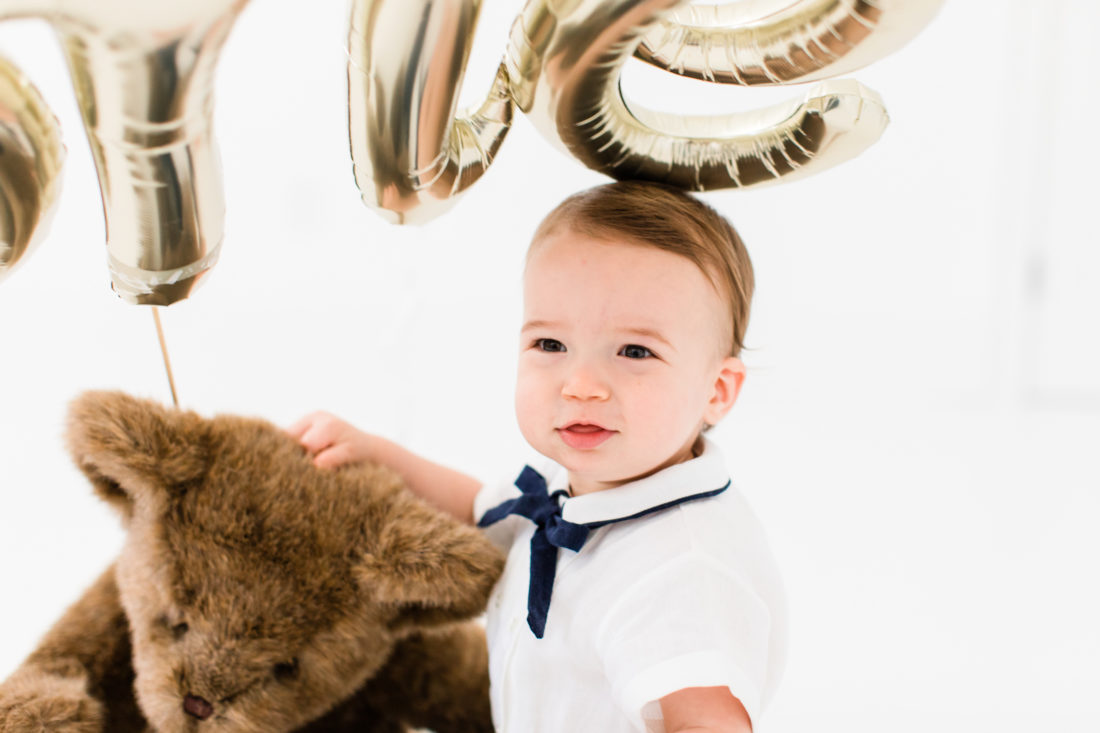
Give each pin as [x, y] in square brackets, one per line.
[176, 630]
[286, 671]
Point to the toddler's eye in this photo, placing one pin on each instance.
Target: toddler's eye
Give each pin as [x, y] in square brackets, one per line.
[633, 351]
[550, 345]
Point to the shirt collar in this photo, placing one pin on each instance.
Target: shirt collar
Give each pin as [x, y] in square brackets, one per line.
[706, 473]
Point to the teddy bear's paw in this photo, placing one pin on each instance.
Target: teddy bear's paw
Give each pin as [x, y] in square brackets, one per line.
[41, 703]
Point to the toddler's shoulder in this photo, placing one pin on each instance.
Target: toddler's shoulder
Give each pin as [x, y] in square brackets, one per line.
[718, 538]
[721, 524]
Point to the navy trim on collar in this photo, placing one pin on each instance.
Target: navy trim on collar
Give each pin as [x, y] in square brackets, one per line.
[660, 507]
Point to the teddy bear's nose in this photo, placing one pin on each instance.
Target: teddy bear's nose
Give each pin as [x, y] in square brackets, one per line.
[197, 707]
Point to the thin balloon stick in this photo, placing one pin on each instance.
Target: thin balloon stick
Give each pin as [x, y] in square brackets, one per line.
[164, 353]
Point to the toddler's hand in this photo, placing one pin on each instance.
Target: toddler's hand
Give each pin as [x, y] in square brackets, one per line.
[331, 441]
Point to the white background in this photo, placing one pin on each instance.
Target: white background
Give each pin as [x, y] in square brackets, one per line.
[919, 426]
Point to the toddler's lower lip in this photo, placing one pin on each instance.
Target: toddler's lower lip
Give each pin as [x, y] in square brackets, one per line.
[584, 437]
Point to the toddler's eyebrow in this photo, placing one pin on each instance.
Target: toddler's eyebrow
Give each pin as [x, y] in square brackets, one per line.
[649, 333]
[531, 325]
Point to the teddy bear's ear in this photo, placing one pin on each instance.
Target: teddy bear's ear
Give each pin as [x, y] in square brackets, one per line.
[431, 567]
[134, 450]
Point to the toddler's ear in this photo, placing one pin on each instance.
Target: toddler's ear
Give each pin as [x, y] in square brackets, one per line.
[134, 450]
[727, 385]
[430, 566]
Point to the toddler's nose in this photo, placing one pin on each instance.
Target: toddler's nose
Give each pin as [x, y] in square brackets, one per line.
[585, 382]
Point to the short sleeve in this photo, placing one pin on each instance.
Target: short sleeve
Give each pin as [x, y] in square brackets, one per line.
[688, 623]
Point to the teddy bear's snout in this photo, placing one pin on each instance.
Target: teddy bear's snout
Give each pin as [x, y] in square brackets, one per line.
[197, 707]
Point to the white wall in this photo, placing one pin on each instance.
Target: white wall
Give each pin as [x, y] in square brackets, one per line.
[920, 423]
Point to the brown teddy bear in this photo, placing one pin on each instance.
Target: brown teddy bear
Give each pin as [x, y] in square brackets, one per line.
[256, 593]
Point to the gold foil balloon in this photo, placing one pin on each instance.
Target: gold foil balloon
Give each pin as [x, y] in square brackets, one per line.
[574, 99]
[781, 41]
[562, 68]
[411, 154]
[143, 73]
[31, 155]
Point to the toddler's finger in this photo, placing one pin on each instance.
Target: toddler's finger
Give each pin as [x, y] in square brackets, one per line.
[333, 456]
[299, 428]
[318, 437]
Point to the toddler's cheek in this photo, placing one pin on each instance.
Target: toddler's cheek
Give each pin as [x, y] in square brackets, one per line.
[530, 409]
[670, 424]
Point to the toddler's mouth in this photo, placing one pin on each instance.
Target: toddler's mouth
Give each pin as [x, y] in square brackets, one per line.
[584, 436]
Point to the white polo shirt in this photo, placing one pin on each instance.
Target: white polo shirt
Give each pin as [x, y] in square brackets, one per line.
[689, 596]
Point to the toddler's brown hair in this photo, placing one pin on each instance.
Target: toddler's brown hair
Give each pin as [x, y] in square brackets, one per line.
[656, 215]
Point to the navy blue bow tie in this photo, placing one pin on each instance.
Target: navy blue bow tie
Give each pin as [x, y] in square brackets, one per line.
[553, 532]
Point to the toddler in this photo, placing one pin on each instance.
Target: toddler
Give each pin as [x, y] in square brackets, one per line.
[639, 592]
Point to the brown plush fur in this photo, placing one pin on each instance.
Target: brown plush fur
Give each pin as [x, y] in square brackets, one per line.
[281, 596]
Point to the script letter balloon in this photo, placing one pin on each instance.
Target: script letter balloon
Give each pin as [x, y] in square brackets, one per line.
[565, 59]
[31, 155]
[143, 74]
[781, 41]
[412, 156]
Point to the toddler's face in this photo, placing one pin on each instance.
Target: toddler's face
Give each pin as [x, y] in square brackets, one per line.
[621, 358]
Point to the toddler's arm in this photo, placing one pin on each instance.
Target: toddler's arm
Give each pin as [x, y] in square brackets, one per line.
[333, 442]
[702, 709]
